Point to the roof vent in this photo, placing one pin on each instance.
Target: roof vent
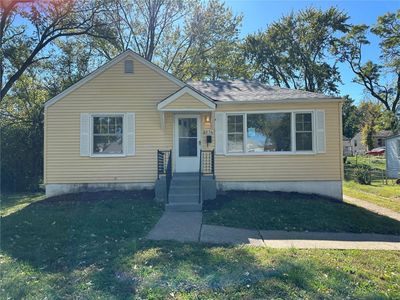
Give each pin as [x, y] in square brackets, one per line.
[128, 66]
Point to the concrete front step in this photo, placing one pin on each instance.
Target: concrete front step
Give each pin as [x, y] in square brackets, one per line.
[184, 206]
[186, 175]
[184, 193]
[190, 198]
[183, 190]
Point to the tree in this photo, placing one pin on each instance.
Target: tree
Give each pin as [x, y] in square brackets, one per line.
[380, 79]
[21, 126]
[183, 37]
[351, 118]
[373, 119]
[293, 51]
[49, 20]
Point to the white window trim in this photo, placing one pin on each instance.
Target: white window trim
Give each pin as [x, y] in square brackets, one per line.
[93, 115]
[292, 133]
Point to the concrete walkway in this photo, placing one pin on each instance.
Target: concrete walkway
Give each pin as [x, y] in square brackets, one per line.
[188, 227]
[373, 207]
[177, 226]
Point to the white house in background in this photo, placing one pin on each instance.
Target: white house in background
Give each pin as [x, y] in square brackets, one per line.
[393, 156]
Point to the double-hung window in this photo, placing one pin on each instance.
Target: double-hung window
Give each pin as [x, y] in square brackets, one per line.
[235, 133]
[270, 132]
[304, 132]
[107, 135]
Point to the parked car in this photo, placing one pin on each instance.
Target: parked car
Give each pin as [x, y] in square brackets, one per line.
[377, 151]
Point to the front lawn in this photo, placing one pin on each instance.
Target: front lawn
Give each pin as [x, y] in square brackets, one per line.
[385, 195]
[294, 212]
[13, 202]
[381, 192]
[92, 246]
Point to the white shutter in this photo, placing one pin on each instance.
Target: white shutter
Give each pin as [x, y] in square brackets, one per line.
[129, 134]
[85, 134]
[220, 133]
[320, 130]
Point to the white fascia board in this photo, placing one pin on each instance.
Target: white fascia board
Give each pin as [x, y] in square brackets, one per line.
[299, 100]
[106, 66]
[181, 92]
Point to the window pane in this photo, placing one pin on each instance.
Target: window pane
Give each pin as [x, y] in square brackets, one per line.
[188, 146]
[304, 132]
[304, 141]
[303, 122]
[107, 144]
[119, 126]
[188, 127]
[235, 124]
[235, 133]
[269, 132]
[235, 142]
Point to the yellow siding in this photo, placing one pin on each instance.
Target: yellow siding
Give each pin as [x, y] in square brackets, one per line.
[186, 101]
[323, 166]
[114, 91]
[111, 91]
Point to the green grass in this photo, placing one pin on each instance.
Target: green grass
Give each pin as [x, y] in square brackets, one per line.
[375, 162]
[13, 202]
[91, 246]
[294, 212]
[385, 194]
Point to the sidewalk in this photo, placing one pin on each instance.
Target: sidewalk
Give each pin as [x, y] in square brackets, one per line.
[188, 227]
[373, 207]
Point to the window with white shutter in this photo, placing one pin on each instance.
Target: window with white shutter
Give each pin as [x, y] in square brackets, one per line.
[107, 134]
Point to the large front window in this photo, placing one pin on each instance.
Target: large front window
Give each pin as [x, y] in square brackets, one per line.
[108, 135]
[270, 132]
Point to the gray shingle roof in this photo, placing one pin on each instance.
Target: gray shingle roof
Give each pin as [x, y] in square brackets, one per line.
[250, 90]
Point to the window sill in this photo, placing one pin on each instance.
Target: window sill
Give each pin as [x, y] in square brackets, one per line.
[108, 155]
[270, 153]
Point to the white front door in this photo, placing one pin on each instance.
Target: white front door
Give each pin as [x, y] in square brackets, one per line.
[187, 143]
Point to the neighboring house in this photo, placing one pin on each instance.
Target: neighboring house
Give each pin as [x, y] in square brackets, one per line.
[104, 132]
[353, 146]
[356, 146]
[393, 156]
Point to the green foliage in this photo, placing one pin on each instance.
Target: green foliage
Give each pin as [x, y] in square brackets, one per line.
[21, 158]
[292, 52]
[191, 39]
[29, 29]
[373, 118]
[22, 136]
[351, 118]
[380, 78]
[362, 174]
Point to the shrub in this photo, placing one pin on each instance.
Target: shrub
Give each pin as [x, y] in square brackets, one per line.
[362, 174]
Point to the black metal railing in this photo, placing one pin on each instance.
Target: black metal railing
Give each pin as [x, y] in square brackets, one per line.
[164, 167]
[206, 167]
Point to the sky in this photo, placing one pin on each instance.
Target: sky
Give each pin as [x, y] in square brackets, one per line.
[257, 14]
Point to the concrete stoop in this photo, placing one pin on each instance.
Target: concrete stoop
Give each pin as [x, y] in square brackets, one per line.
[184, 193]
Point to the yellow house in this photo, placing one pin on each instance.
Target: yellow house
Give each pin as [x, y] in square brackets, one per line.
[131, 125]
